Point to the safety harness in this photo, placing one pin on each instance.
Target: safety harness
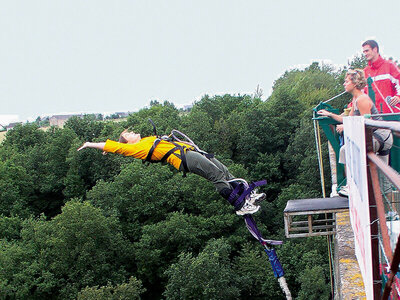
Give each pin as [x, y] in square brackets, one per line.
[181, 149]
[173, 139]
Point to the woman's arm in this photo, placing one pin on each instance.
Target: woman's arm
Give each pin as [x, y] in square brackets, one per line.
[326, 113]
[99, 146]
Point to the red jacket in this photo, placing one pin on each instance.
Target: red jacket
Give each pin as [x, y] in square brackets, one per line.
[386, 82]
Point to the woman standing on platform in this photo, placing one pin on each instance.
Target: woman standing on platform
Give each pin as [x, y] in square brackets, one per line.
[362, 104]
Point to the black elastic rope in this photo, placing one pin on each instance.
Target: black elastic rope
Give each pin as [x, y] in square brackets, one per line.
[154, 126]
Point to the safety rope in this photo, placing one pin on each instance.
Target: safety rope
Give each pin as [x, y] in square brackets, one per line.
[317, 134]
[255, 232]
[322, 163]
[334, 97]
[186, 140]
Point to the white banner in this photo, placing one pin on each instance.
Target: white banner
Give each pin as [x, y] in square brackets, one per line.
[356, 171]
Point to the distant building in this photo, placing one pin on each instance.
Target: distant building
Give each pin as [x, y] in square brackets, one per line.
[122, 114]
[12, 125]
[59, 120]
[118, 115]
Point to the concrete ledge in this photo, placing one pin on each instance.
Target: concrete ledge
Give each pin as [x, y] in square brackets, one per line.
[348, 280]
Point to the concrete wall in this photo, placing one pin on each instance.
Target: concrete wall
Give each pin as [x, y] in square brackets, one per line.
[349, 284]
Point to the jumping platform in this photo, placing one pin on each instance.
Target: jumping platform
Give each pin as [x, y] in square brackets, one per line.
[313, 217]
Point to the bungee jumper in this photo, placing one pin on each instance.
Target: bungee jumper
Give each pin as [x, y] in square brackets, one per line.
[185, 156]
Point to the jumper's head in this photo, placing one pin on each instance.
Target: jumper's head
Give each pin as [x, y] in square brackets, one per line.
[129, 137]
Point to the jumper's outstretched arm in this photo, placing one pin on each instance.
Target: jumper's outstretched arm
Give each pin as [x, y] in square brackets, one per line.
[99, 146]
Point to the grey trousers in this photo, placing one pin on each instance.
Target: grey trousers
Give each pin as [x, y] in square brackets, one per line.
[211, 169]
[387, 136]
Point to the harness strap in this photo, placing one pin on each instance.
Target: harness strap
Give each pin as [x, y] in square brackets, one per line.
[184, 163]
[166, 155]
[381, 142]
[208, 155]
[252, 186]
[181, 148]
[150, 154]
[238, 202]
[183, 158]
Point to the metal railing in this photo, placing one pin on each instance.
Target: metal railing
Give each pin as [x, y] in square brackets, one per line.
[384, 199]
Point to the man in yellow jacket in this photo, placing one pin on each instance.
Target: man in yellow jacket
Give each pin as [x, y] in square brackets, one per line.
[183, 157]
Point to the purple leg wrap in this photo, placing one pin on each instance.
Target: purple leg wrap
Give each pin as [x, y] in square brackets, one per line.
[238, 202]
[255, 232]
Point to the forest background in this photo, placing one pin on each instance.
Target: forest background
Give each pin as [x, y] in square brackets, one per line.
[91, 226]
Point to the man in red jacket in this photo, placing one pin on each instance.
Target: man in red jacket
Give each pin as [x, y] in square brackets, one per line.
[386, 79]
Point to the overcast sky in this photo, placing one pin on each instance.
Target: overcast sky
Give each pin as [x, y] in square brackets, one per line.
[106, 56]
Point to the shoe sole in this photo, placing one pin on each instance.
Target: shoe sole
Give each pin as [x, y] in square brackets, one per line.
[258, 201]
[249, 213]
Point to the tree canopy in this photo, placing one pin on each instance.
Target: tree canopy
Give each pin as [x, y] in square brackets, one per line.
[91, 226]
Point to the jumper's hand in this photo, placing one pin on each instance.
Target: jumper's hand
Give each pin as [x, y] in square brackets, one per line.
[85, 145]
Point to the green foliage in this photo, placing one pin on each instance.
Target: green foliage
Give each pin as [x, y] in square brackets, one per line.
[86, 128]
[301, 160]
[15, 189]
[165, 116]
[123, 291]
[78, 248]
[39, 160]
[313, 284]
[255, 274]
[207, 276]
[162, 242]
[358, 62]
[22, 137]
[88, 167]
[297, 255]
[18, 270]
[316, 83]
[47, 161]
[10, 227]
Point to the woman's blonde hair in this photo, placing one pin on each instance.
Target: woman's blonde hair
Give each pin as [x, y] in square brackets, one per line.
[357, 77]
[121, 137]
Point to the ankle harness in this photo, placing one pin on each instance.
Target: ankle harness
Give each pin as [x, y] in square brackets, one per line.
[238, 202]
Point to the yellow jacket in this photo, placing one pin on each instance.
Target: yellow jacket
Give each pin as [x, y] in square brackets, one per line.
[141, 149]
